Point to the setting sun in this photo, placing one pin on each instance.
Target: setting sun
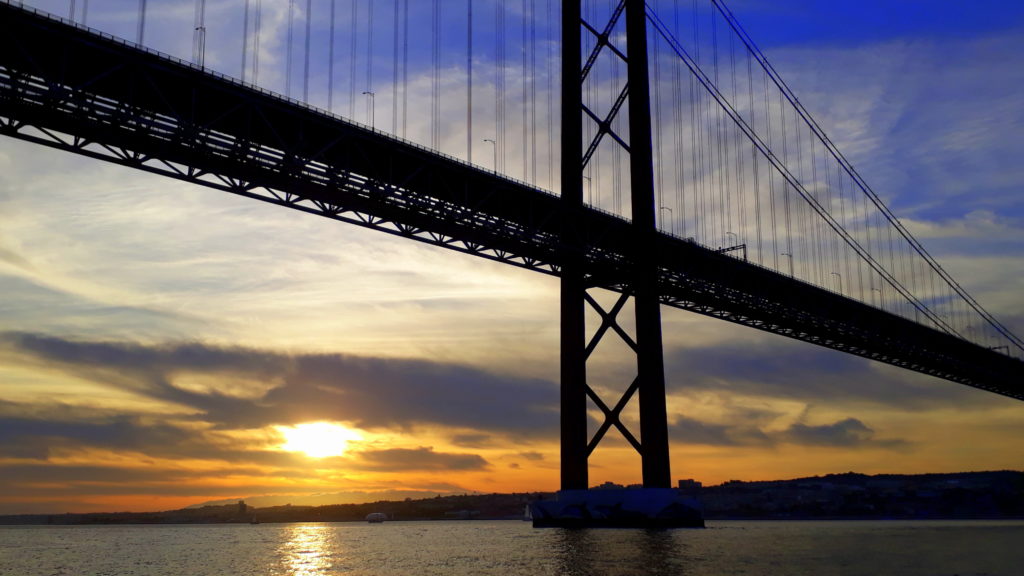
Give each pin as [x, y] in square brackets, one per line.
[318, 439]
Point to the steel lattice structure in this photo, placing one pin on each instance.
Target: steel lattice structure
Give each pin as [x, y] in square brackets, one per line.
[72, 89]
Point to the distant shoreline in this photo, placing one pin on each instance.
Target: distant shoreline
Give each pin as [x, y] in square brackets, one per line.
[995, 495]
[5, 523]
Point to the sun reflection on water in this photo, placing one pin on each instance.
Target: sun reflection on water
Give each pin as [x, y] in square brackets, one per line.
[308, 550]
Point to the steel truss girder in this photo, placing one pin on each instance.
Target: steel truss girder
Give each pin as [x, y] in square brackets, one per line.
[329, 209]
[64, 87]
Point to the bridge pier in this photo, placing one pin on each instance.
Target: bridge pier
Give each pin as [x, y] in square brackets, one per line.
[655, 505]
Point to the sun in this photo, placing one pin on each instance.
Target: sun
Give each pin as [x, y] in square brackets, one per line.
[317, 439]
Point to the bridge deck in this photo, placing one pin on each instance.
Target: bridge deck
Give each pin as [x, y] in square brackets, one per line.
[72, 89]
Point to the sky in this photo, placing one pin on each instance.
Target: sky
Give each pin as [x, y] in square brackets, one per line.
[160, 343]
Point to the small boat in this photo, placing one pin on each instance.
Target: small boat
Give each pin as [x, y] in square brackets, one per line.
[376, 517]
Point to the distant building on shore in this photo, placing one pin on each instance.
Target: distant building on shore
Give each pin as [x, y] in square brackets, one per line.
[690, 485]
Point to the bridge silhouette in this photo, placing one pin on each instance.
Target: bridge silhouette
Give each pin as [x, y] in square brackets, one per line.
[850, 276]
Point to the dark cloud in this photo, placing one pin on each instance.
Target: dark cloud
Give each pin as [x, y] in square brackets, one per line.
[44, 429]
[849, 432]
[124, 433]
[411, 459]
[56, 476]
[370, 392]
[86, 482]
[390, 393]
[691, 431]
[23, 447]
[142, 359]
[777, 367]
[473, 440]
[845, 433]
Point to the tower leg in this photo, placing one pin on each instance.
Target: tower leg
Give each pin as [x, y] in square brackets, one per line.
[650, 362]
[573, 329]
[574, 374]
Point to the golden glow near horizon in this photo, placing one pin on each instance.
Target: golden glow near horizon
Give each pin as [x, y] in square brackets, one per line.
[318, 439]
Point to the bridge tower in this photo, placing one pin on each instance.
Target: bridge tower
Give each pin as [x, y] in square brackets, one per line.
[649, 384]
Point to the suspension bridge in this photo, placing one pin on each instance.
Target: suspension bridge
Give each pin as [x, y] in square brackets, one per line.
[665, 160]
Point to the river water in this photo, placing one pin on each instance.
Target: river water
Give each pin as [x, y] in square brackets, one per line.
[906, 548]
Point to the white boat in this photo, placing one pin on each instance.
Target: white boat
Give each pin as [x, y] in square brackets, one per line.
[376, 517]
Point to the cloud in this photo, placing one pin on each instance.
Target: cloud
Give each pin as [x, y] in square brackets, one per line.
[123, 433]
[976, 225]
[418, 459]
[693, 431]
[33, 481]
[72, 475]
[473, 440]
[923, 120]
[779, 368]
[14, 258]
[369, 392]
[32, 302]
[22, 446]
[189, 263]
[47, 440]
[375, 392]
[845, 433]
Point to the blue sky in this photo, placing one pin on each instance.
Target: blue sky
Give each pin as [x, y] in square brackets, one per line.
[847, 23]
[151, 321]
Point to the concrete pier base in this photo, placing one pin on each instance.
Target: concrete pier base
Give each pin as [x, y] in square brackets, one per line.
[618, 508]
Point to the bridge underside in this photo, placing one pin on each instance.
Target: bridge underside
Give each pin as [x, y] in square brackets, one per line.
[68, 88]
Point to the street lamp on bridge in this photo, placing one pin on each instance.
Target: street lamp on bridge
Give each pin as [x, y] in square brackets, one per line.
[495, 146]
[371, 107]
[791, 275]
[671, 219]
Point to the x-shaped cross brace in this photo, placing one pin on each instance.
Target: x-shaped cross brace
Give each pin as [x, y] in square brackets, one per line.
[611, 415]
